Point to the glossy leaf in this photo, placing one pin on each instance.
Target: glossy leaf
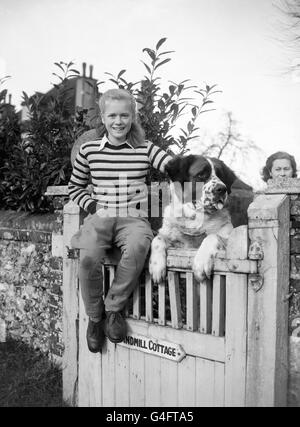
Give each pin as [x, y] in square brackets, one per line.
[160, 42]
[147, 67]
[121, 73]
[59, 65]
[150, 52]
[162, 62]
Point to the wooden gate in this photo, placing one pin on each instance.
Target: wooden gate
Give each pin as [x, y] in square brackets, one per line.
[217, 343]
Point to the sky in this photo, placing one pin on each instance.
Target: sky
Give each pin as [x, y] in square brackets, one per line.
[240, 45]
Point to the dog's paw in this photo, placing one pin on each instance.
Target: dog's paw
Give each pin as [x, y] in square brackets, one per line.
[203, 265]
[158, 259]
[157, 269]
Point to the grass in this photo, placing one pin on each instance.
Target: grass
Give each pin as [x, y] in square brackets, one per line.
[28, 378]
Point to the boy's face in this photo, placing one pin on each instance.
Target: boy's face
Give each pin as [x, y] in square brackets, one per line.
[117, 119]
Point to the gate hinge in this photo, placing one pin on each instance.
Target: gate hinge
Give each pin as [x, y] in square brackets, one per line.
[255, 281]
[255, 250]
[72, 253]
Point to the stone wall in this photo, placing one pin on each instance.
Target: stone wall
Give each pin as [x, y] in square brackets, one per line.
[31, 279]
[294, 312]
[292, 188]
[294, 304]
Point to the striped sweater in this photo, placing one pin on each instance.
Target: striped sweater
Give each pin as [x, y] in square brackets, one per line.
[117, 174]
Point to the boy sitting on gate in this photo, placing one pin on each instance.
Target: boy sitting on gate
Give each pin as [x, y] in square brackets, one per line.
[117, 165]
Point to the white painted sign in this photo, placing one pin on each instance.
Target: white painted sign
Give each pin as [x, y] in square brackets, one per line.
[154, 346]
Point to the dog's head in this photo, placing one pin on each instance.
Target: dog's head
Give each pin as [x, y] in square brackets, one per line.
[202, 180]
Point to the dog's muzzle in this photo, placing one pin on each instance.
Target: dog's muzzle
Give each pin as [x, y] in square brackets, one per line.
[214, 196]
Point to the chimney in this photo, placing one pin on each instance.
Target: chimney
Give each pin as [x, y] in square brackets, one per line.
[9, 98]
[83, 68]
[91, 71]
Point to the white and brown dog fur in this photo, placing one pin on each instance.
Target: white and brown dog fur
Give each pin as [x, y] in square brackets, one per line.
[194, 220]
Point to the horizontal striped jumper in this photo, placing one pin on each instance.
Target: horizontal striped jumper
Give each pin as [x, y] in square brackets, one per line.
[117, 174]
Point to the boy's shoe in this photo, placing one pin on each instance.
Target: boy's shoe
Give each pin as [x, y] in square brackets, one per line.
[95, 336]
[115, 327]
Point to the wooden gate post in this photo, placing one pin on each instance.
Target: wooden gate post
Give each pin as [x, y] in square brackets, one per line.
[70, 306]
[267, 345]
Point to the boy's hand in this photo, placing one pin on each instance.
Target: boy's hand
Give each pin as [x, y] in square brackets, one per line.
[92, 207]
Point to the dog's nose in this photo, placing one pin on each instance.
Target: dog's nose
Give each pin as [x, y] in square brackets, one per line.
[220, 189]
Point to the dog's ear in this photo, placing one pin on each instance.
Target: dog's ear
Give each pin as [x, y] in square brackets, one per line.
[225, 174]
[177, 168]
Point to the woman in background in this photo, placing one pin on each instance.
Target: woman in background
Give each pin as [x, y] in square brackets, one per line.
[279, 164]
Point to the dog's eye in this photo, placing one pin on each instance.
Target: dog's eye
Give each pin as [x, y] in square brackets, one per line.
[203, 174]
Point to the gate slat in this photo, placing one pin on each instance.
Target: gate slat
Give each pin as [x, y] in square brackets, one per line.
[152, 381]
[236, 339]
[219, 384]
[148, 297]
[204, 383]
[175, 305]
[187, 382]
[205, 306]
[89, 370]
[169, 383]
[137, 378]
[218, 301]
[122, 376]
[137, 302]
[209, 383]
[108, 374]
[70, 306]
[191, 302]
[162, 303]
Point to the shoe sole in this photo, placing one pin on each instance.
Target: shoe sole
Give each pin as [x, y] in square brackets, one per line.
[94, 351]
[114, 341]
[97, 349]
[100, 346]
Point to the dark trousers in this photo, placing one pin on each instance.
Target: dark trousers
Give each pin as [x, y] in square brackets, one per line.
[132, 236]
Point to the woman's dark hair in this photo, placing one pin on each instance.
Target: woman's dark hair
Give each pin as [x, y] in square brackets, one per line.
[275, 156]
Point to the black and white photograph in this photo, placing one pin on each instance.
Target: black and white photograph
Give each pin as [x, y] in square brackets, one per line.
[150, 206]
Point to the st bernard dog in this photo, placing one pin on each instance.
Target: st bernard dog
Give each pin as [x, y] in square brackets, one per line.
[197, 216]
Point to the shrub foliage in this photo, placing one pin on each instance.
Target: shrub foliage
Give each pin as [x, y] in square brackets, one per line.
[42, 156]
[168, 112]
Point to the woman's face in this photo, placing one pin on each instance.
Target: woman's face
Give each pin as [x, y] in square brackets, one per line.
[281, 168]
